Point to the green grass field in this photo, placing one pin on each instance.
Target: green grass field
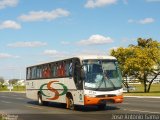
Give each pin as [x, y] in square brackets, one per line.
[154, 91]
[15, 88]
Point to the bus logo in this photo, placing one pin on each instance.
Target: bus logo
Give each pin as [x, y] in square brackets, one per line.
[53, 90]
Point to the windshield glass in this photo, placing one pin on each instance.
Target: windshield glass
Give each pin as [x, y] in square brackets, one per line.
[102, 75]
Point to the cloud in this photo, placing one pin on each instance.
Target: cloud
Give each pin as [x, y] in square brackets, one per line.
[9, 24]
[27, 44]
[44, 15]
[125, 2]
[153, 0]
[146, 21]
[65, 43]
[50, 52]
[142, 21]
[131, 21]
[96, 40]
[91, 52]
[56, 54]
[8, 3]
[99, 3]
[6, 55]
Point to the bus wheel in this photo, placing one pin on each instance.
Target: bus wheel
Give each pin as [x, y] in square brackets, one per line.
[102, 106]
[70, 103]
[40, 101]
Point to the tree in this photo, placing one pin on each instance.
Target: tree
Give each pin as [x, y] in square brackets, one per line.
[141, 60]
[1, 81]
[13, 81]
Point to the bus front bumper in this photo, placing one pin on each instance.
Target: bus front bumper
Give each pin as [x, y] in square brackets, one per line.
[102, 100]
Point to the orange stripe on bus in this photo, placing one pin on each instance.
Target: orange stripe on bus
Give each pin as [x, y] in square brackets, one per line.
[95, 100]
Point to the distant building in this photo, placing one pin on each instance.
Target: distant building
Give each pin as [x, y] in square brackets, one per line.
[133, 80]
[21, 82]
[157, 80]
[6, 83]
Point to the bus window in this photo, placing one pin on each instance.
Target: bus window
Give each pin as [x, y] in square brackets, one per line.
[46, 71]
[33, 73]
[38, 72]
[53, 70]
[28, 73]
[66, 69]
[70, 69]
[58, 70]
[63, 69]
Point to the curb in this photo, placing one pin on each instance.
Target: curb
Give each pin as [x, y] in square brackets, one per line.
[142, 96]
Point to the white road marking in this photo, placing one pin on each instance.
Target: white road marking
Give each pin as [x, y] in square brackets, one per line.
[5, 101]
[3, 96]
[142, 111]
[125, 103]
[142, 97]
[34, 107]
[15, 95]
[151, 101]
[19, 98]
[12, 97]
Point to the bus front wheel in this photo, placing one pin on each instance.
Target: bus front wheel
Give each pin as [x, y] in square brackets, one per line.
[70, 103]
[40, 101]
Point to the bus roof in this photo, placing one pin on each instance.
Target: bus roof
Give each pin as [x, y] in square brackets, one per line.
[81, 57]
[85, 57]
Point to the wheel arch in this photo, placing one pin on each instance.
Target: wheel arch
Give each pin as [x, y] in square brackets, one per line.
[69, 94]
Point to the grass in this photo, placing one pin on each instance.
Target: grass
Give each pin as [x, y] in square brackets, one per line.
[154, 91]
[15, 88]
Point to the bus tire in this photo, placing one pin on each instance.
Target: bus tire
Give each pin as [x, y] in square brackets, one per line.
[40, 101]
[70, 103]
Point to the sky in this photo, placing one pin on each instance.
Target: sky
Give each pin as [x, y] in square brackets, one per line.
[37, 31]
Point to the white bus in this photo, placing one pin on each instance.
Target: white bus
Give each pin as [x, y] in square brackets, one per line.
[83, 80]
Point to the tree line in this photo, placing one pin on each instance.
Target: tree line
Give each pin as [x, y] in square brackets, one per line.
[11, 82]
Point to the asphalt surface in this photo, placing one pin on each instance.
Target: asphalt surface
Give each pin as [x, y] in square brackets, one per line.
[16, 105]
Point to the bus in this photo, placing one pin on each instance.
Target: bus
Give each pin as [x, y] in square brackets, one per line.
[81, 80]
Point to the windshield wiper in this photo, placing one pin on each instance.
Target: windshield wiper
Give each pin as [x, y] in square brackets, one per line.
[103, 80]
[111, 82]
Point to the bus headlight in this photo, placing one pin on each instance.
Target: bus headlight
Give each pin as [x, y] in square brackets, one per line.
[120, 92]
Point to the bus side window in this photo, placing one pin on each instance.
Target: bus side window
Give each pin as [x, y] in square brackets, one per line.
[58, 69]
[28, 73]
[46, 71]
[70, 69]
[53, 70]
[67, 69]
[63, 69]
[38, 72]
[43, 71]
[33, 73]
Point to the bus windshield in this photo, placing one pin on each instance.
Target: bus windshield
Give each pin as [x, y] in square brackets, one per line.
[102, 75]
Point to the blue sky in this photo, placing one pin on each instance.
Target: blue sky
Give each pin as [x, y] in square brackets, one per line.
[36, 31]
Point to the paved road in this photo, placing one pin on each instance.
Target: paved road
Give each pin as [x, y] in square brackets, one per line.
[26, 109]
